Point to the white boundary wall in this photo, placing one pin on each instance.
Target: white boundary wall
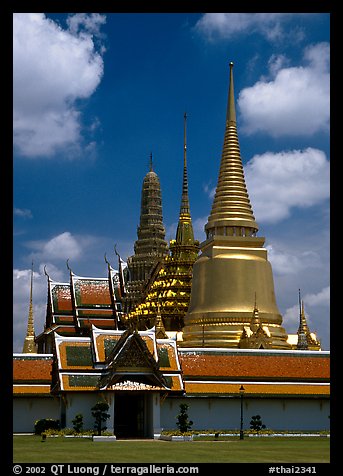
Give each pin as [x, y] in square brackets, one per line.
[223, 413]
[26, 410]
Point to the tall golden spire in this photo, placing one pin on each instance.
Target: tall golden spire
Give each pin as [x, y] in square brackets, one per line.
[233, 265]
[30, 346]
[231, 209]
[184, 210]
[184, 233]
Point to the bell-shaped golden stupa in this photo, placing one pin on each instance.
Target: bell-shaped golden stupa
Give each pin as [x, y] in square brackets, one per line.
[233, 269]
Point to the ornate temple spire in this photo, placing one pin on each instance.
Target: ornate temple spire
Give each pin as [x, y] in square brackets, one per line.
[150, 245]
[303, 331]
[184, 233]
[150, 248]
[171, 287]
[185, 210]
[231, 209]
[30, 346]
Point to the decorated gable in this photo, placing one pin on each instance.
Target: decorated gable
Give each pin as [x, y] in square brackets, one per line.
[116, 360]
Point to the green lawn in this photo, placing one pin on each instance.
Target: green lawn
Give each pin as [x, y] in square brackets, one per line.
[30, 449]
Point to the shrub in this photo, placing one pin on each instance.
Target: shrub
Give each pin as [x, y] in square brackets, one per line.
[183, 423]
[78, 423]
[256, 423]
[99, 412]
[46, 424]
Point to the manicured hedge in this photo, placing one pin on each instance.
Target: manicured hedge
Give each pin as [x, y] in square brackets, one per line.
[46, 424]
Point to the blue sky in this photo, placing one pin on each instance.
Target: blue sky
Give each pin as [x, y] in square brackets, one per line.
[95, 94]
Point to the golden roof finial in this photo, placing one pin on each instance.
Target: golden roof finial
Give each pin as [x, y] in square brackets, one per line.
[255, 320]
[303, 331]
[231, 212]
[231, 110]
[30, 346]
[160, 331]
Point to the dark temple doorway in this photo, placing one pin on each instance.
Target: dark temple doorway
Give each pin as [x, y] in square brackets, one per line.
[129, 415]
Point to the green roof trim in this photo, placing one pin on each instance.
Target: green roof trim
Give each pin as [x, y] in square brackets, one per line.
[79, 356]
[84, 380]
[163, 357]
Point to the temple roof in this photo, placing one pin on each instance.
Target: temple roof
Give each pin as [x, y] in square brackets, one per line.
[266, 365]
[32, 368]
[82, 302]
[209, 372]
[109, 360]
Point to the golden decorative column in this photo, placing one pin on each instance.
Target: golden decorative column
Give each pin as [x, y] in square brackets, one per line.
[233, 267]
[30, 346]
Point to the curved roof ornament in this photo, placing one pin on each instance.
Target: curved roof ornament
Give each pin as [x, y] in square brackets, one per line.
[115, 250]
[109, 267]
[69, 266]
[45, 272]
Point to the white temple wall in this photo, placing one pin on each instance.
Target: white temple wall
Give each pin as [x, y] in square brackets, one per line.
[26, 410]
[82, 402]
[224, 413]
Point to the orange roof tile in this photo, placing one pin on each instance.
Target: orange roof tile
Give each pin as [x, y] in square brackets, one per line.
[255, 366]
[92, 292]
[36, 370]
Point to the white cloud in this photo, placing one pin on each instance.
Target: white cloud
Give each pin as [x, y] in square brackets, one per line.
[90, 23]
[320, 299]
[82, 251]
[285, 262]
[291, 318]
[296, 178]
[199, 228]
[64, 245]
[277, 62]
[296, 102]
[52, 69]
[60, 247]
[229, 25]
[22, 212]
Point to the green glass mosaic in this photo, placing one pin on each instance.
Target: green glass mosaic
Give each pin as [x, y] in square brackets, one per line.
[163, 357]
[169, 381]
[77, 355]
[83, 380]
[109, 346]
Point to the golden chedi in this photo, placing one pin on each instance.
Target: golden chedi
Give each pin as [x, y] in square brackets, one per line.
[233, 267]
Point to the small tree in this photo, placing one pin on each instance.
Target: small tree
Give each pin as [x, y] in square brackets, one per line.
[78, 423]
[99, 412]
[256, 423]
[183, 423]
